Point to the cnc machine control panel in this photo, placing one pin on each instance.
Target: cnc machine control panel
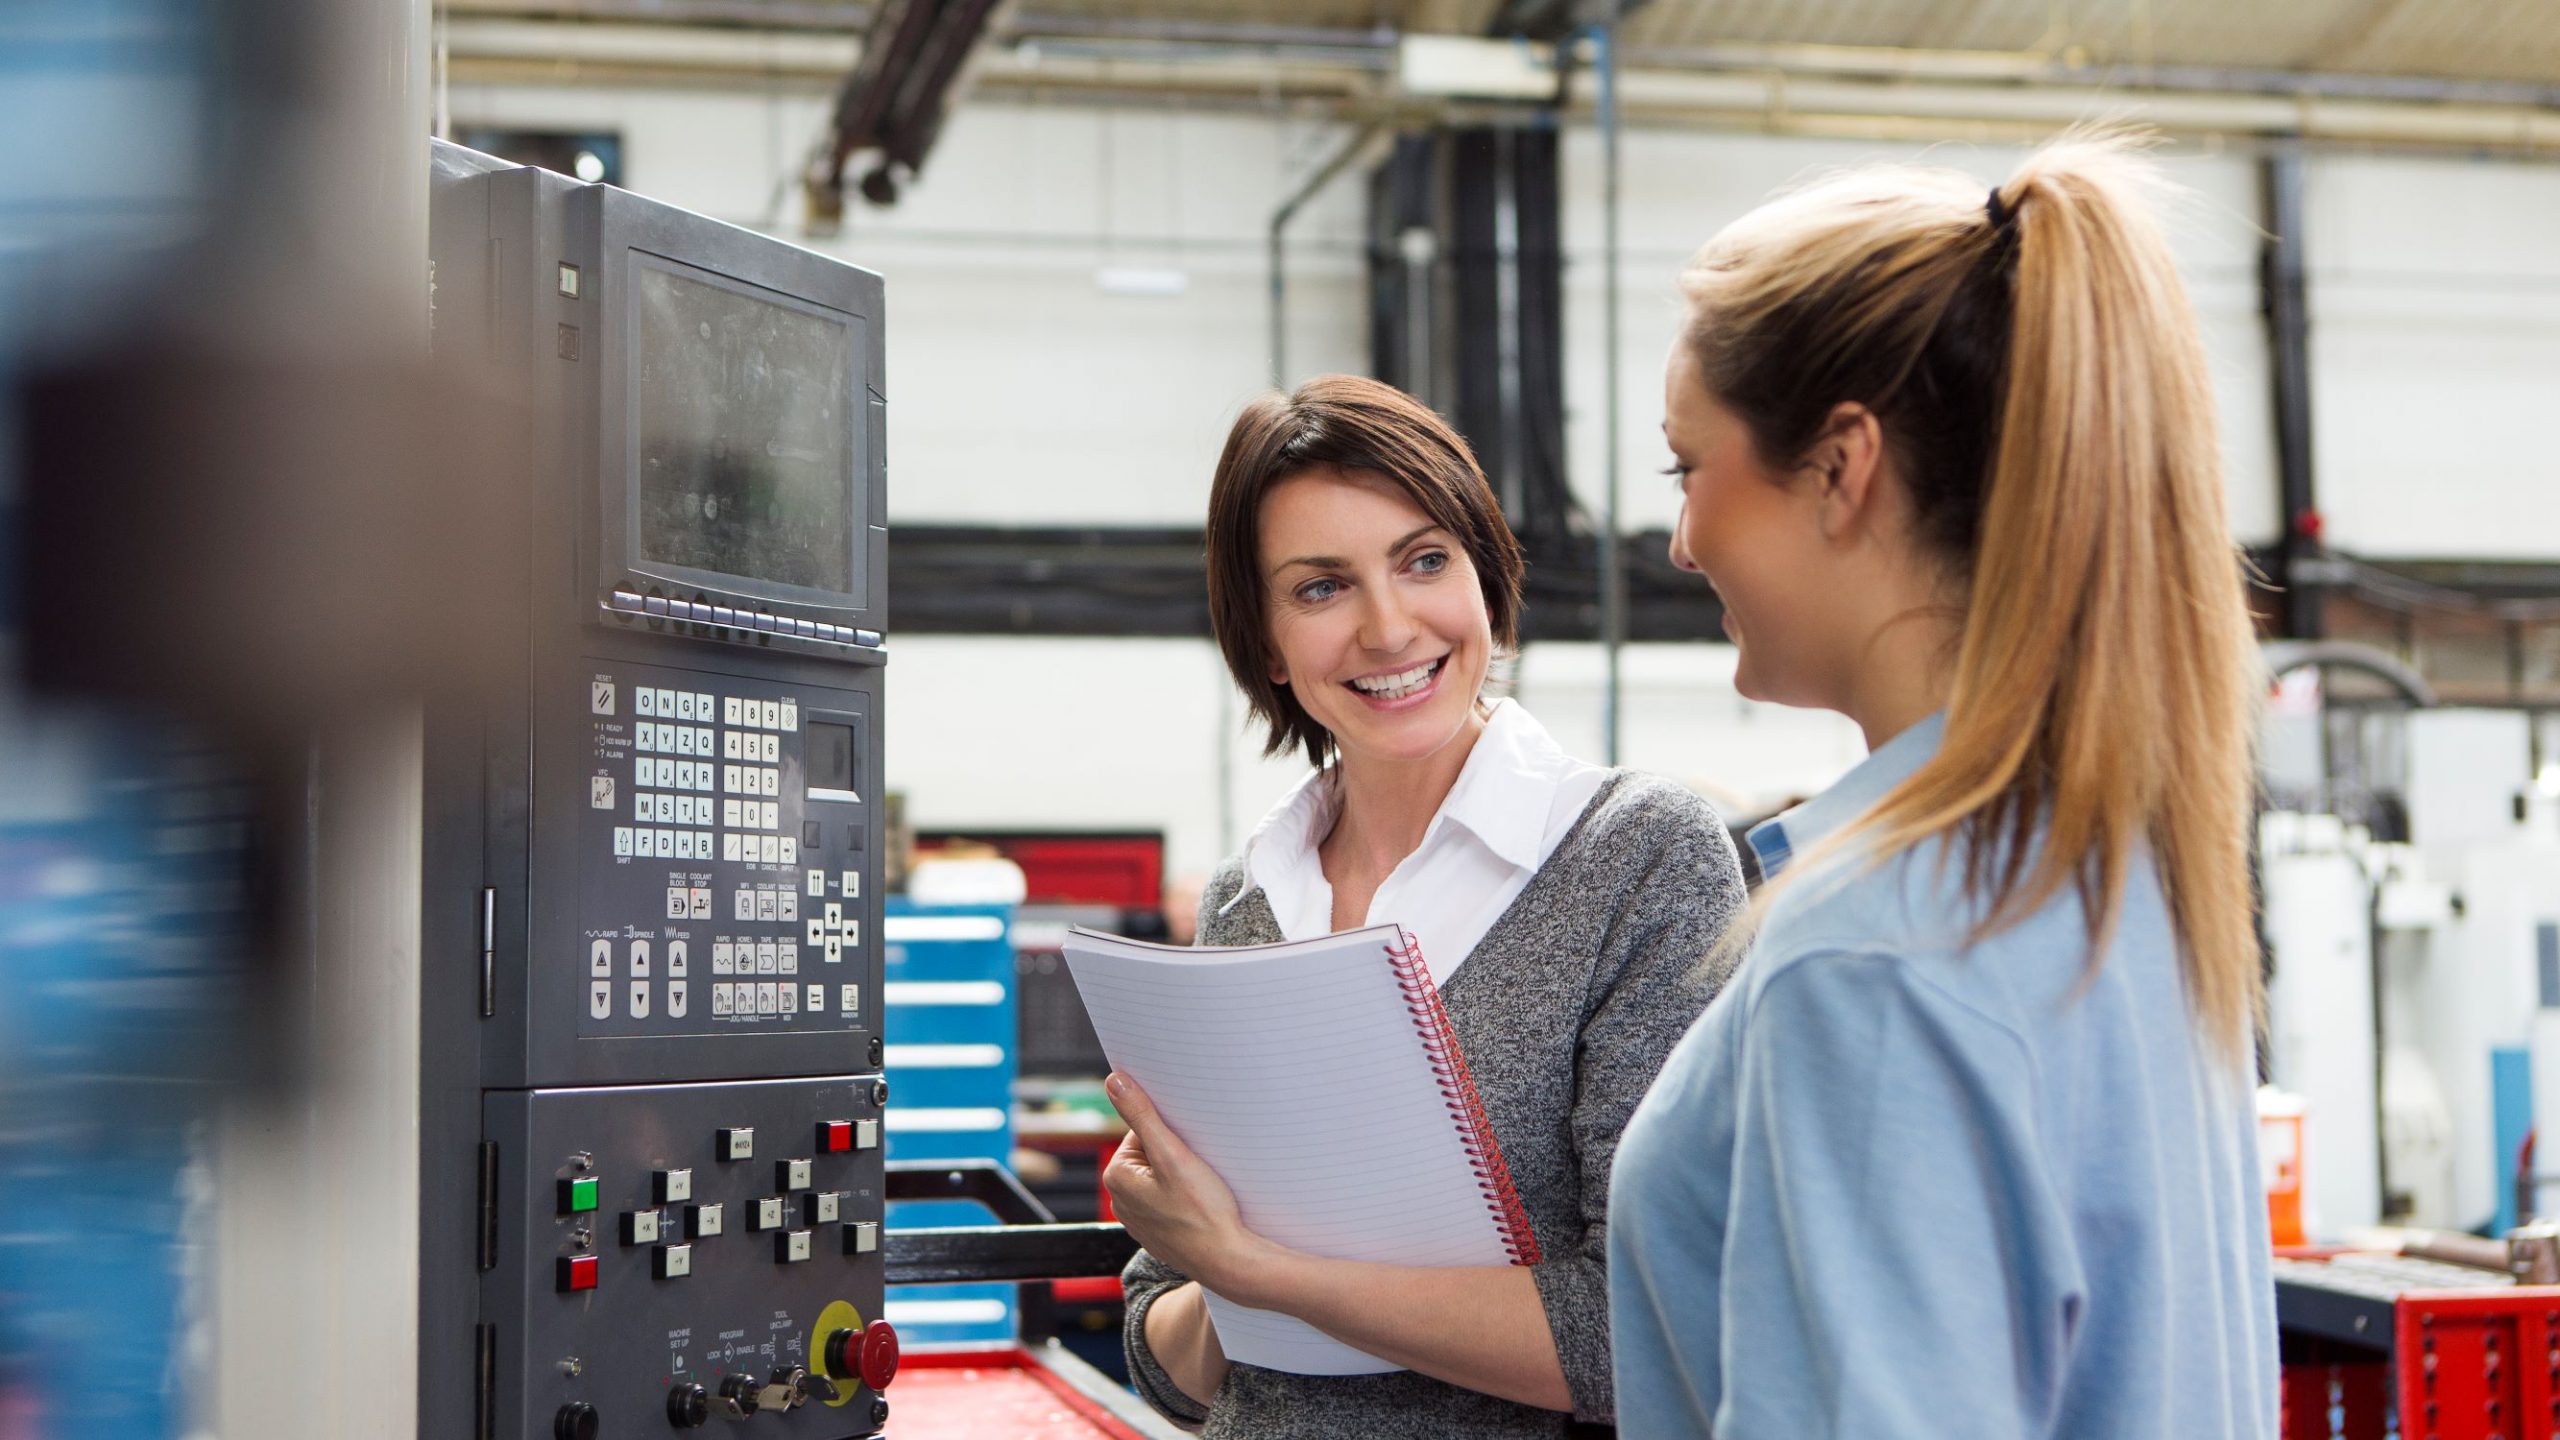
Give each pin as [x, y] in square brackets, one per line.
[662, 825]
[723, 850]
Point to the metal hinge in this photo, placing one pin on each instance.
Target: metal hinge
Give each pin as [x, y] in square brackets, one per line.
[488, 1206]
[485, 1385]
[488, 951]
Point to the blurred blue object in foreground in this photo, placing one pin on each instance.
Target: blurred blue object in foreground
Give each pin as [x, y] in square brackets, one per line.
[120, 851]
[122, 927]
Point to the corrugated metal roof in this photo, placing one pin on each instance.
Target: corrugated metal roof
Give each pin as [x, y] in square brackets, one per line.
[2513, 40]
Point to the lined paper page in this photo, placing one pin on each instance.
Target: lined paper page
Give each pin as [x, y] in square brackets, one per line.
[1299, 1074]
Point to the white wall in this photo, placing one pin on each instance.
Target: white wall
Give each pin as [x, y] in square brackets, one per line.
[1680, 716]
[2435, 355]
[1022, 393]
[1679, 188]
[1012, 734]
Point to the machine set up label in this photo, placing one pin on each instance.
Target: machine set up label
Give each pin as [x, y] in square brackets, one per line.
[766, 881]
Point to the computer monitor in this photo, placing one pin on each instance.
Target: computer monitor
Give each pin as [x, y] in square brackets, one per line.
[740, 435]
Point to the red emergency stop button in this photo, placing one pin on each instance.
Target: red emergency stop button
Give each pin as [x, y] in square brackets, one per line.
[835, 1136]
[578, 1272]
[879, 1355]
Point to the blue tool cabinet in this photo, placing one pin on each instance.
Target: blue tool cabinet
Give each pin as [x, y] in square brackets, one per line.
[950, 1062]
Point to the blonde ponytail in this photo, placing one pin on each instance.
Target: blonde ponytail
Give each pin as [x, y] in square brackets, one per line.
[2037, 369]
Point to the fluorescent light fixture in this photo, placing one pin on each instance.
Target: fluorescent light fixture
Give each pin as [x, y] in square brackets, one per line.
[1152, 280]
[1468, 67]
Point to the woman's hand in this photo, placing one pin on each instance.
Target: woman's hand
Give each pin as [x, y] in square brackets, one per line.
[1174, 1204]
[1482, 1327]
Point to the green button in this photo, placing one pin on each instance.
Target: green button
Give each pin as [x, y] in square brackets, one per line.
[578, 1196]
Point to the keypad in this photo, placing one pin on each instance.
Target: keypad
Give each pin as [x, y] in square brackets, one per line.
[696, 801]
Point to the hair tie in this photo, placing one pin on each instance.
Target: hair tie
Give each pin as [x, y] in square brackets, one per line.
[2001, 211]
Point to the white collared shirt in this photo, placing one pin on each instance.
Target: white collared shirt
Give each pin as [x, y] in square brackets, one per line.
[1517, 796]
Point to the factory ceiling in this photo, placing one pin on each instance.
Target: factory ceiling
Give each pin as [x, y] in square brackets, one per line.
[2481, 74]
[2505, 40]
[2516, 40]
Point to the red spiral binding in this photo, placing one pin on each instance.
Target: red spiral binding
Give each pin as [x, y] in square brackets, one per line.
[1458, 1089]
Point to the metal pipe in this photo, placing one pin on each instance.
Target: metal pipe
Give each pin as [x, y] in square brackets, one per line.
[1613, 564]
[2014, 67]
[853, 19]
[1418, 253]
[1373, 48]
[1766, 93]
[1342, 160]
[1510, 480]
[571, 47]
[2284, 295]
[1050, 48]
[819, 15]
[2283, 657]
[2471, 1252]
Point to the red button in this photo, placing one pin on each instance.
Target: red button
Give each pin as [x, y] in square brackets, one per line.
[879, 1355]
[835, 1136]
[578, 1272]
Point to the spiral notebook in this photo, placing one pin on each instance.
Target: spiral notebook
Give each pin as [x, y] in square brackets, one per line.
[1321, 1080]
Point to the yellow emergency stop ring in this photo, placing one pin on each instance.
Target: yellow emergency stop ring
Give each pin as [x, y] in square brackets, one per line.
[839, 1315]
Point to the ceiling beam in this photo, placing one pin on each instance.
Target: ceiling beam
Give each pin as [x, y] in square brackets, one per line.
[1553, 20]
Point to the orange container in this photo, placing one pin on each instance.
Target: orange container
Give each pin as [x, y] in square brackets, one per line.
[2280, 1118]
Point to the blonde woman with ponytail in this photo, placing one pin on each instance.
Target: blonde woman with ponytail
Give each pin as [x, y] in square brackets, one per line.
[1968, 1148]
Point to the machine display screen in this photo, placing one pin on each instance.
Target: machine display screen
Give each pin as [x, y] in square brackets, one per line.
[744, 434]
[830, 761]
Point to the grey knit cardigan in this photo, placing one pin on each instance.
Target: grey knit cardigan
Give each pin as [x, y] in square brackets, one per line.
[1565, 1012]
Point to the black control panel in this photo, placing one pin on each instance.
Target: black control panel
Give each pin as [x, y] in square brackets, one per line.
[681, 1257]
[653, 1113]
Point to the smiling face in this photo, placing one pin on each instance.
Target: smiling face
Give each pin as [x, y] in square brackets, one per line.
[1377, 619]
[1755, 532]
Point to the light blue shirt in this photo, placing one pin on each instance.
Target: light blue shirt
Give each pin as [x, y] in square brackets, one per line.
[1893, 1184]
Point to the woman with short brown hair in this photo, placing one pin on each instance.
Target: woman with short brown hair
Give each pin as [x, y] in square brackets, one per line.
[1361, 581]
[1369, 428]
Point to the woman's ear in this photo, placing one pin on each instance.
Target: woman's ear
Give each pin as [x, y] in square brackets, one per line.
[1847, 463]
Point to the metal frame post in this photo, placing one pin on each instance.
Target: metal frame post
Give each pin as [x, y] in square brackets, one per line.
[1613, 567]
[1343, 160]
